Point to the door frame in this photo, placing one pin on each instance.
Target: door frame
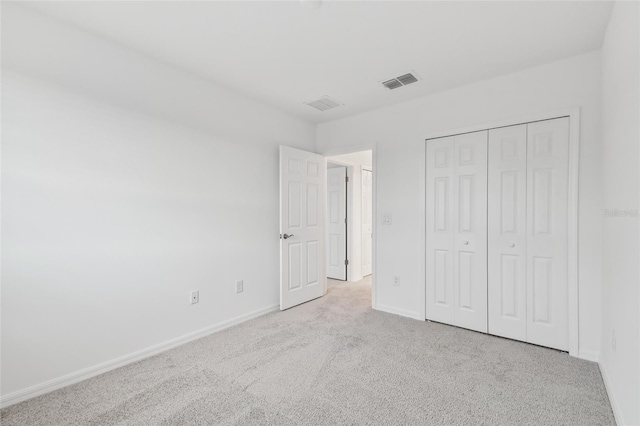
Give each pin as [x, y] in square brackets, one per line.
[572, 256]
[348, 206]
[350, 150]
[362, 170]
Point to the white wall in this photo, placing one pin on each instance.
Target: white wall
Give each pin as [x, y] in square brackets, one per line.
[399, 132]
[125, 185]
[140, 182]
[620, 157]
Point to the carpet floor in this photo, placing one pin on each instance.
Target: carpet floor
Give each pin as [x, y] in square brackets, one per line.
[335, 361]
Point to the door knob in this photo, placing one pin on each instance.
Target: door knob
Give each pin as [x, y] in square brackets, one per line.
[512, 245]
[466, 243]
[285, 236]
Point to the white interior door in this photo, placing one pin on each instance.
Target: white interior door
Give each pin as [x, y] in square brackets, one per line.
[547, 233]
[528, 232]
[470, 227]
[439, 226]
[456, 224]
[507, 180]
[302, 226]
[497, 208]
[367, 221]
[337, 223]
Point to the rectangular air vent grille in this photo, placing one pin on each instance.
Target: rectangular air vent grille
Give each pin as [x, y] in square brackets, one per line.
[407, 79]
[392, 84]
[403, 80]
[324, 103]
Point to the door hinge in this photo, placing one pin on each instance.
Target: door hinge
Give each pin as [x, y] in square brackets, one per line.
[346, 262]
[345, 220]
[346, 179]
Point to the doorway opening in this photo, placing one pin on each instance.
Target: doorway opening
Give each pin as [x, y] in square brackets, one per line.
[350, 223]
[337, 232]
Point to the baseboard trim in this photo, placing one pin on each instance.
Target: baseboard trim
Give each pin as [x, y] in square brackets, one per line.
[617, 414]
[86, 373]
[398, 311]
[592, 356]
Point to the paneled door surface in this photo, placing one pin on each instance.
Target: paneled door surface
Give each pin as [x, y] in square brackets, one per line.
[547, 233]
[302, 226]
[497, 229]
[367, 221]
[439, 227]
[528, 232]
[507, 232]
[456, 225]
[337, 223]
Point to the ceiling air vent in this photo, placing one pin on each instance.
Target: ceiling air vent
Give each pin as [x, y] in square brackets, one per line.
[324, 103]
[403, 80]
[392, 84]
[407, 79]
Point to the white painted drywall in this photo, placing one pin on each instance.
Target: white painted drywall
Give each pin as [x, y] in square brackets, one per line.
[126, 184]
[620, 157]
[399, 132]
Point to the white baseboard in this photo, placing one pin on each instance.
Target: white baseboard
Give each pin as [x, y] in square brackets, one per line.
[617, 414]
[86, 373]
[589, 355]
[398, 311]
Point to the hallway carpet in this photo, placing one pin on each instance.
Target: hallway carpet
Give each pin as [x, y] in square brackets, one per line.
[335, 361]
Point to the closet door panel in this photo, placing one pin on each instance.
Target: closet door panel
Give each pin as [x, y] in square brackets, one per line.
[507, 285]
[470, 228]
[440, 229]
[547, 245]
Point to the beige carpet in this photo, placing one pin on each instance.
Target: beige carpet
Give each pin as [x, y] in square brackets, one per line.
[335, 361]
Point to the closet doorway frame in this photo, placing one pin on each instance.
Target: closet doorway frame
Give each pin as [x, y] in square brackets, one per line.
[572, 212]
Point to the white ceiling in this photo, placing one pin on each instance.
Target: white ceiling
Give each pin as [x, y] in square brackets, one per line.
[284, 54]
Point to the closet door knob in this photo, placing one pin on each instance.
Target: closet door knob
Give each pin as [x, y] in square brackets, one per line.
[512, 245]
[466, 243]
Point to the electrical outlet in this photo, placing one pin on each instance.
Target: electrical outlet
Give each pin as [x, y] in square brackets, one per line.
[613, 340]
[396, 281]
[386, 220]
[195, 297]
[239, 286]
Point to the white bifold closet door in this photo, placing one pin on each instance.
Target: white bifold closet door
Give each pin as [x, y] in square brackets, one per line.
[456, 257]
[528, 232]
[507, 226]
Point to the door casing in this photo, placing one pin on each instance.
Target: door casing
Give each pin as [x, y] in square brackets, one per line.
[337, 195]
[349, 150]
[369, 231]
